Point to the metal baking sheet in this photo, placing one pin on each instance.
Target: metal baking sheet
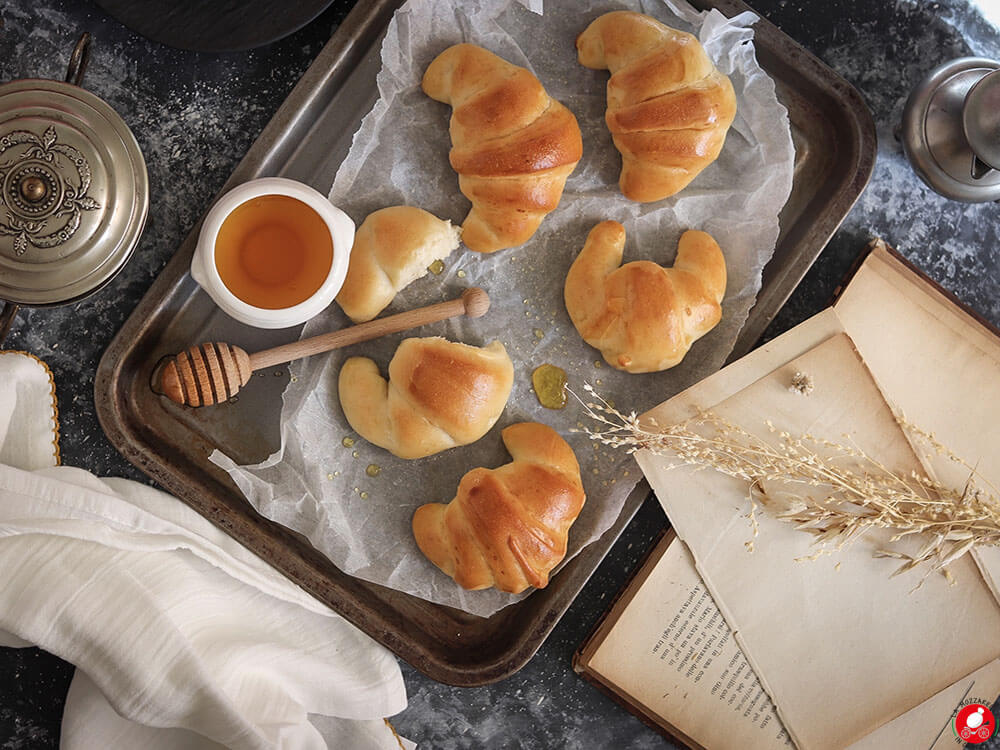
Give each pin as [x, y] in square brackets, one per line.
[834, 137]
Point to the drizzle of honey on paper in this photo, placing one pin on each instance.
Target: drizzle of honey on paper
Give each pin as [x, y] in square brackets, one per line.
[549, 383]
[273, 251]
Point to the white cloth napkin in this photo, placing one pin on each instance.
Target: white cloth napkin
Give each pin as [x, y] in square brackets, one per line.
[181, 637]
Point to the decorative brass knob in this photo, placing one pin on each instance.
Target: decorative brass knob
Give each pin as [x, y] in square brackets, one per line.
[33, 189]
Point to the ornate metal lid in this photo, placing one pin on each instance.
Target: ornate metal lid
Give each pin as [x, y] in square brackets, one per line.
[73, 192]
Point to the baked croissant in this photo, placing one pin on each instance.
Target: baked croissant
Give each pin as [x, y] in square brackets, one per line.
[513, 146]
[668, 107]
[644, 317]
[507, 527]
[439, 394]
[392, 247]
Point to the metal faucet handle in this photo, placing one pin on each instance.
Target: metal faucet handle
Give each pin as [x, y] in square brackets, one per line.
[940, 115]
[981, 122]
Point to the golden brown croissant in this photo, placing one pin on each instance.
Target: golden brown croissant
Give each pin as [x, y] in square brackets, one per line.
[507, 527]
[644, 317]
[392, 247]
[513, 146]
[439, 394]
[668, 107]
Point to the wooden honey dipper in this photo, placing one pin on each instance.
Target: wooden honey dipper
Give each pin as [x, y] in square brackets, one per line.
[211, 373]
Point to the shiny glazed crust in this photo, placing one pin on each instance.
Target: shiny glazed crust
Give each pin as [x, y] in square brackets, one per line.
[668, 107]
[440, 394]
[644, 317]
[507, 527]
[392, 248]
[513, 145]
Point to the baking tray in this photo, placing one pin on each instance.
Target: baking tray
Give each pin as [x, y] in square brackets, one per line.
[306, 139]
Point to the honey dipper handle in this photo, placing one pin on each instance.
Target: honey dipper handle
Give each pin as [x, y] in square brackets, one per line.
[474, 302]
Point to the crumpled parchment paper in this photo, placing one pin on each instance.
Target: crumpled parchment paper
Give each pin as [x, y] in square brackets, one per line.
[320, 484]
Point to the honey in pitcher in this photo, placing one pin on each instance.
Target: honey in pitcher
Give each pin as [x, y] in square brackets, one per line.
[273, 251]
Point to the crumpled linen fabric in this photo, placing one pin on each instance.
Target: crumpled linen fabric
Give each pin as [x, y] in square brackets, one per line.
[182, 638]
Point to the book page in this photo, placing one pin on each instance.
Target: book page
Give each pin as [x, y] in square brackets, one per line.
[930, 726]
[713, 698]
[722, 384]
[842, 650]
[954, 391]
[673, 652]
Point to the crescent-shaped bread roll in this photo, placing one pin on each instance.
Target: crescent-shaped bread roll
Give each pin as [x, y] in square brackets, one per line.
[644, 317]
[513, 145]
[507, 527]
[669, 108]
[439, 394]
[392, 248]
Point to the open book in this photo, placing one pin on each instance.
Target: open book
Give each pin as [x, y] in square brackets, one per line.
[722, 648]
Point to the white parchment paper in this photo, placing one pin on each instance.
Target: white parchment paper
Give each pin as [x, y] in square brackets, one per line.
[320, 487]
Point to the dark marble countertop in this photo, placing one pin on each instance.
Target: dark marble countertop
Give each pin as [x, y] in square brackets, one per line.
[195, 115]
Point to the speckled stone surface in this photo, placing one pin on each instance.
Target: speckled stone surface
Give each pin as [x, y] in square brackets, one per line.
[196, 114]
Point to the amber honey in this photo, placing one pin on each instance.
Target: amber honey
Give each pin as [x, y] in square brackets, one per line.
[273, 251]
[550, 383]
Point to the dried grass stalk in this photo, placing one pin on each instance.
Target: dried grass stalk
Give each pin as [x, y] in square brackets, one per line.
[835, 492]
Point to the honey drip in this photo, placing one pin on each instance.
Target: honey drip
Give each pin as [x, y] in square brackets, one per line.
[273, 252]
[549, 383]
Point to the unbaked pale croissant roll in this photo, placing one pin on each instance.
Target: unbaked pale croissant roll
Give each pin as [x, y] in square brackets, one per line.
[644, 317]
[513, 145]
[392, 248]
[439, 394]
[507, 527]
[668, 107]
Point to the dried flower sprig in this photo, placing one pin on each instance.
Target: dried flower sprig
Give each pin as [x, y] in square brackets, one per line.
[802, 383]
[833, 491]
